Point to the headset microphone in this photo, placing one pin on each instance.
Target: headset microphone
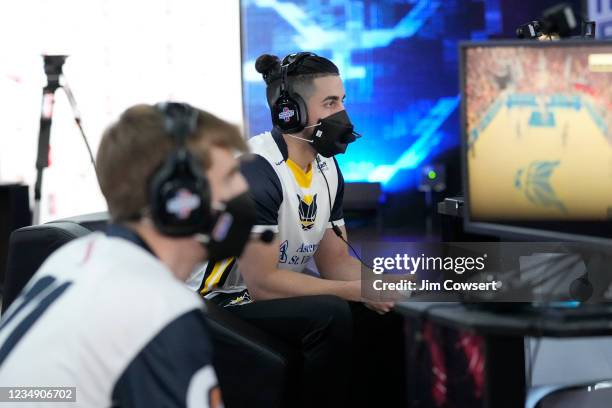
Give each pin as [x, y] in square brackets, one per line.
[346, 139]
[299, 138]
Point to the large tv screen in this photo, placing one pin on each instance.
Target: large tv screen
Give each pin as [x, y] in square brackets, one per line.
[538, 135]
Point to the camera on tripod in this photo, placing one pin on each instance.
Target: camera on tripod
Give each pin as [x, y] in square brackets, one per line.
[54, 71]
[54, 64]
[531, 30]
[557, 21]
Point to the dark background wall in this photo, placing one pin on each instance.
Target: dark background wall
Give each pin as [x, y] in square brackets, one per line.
[399, 63]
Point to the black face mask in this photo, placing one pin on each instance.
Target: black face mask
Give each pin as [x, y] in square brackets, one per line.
[333, 134]
[231, 228]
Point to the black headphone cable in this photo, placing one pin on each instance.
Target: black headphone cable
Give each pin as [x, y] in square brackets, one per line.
[336, 228]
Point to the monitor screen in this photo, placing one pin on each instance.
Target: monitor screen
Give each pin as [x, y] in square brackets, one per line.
[537, 130]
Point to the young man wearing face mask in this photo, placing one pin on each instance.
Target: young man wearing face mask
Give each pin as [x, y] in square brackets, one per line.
[298, 189]
[170, 179]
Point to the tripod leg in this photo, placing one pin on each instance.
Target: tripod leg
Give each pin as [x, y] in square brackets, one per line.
[44, 134]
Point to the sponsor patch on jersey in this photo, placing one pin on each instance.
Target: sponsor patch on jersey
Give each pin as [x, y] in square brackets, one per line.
[322, 166]
[307, 248]
[242, 299]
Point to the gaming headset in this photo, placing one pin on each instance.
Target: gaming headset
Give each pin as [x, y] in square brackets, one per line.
[179, 193]
[289, 113]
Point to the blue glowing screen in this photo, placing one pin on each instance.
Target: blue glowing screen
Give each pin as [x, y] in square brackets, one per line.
[399, 63]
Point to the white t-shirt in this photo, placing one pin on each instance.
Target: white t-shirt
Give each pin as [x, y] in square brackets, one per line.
[102, 314]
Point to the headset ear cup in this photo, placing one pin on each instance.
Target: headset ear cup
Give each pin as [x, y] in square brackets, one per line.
[287, 114]
[157, 184]
[205, 222]
[179, 196]
[179, 193]
[303, 110]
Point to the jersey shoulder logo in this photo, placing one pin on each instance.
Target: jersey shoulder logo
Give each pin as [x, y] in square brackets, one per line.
[307, 210]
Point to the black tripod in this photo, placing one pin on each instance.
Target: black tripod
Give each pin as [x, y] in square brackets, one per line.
[53, 71]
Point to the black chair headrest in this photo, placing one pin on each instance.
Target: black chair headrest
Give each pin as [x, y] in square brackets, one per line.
[30, 246]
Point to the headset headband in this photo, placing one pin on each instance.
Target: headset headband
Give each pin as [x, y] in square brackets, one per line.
[289, 62]
[180, 120]
[179, 194]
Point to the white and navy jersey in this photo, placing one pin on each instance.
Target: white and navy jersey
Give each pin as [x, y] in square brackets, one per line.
[104, 315]
[293, 203]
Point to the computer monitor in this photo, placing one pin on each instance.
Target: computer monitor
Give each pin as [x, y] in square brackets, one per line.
[537, 139]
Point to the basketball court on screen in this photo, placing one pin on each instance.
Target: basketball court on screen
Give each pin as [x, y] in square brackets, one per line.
[540, 152]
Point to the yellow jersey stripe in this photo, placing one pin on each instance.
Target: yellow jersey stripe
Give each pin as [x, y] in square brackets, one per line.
[209, 268]
[207, 281]
[215, 276]
[301, 177]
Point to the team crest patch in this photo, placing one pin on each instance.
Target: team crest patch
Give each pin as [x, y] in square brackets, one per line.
[307, 210]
